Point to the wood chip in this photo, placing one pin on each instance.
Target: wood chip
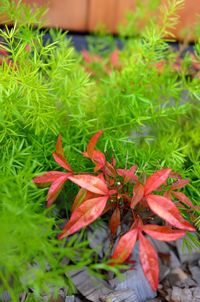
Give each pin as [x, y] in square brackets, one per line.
[89, 286]
[187, 255]
[181, 295]
[135, 280]
[120, 296]
[70, 299]
[195, 271]
[99, 239]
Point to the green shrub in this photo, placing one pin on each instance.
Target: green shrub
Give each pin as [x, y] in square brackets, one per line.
[149, 114]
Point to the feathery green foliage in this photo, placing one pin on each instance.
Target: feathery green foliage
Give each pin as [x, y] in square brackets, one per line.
[150, 116]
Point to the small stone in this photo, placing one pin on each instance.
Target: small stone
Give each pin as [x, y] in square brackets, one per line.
[187, 255]
[120, 296]
[154, 300]
[174, 261]
[77, 299]
[195, 271]
[160, 246]
[177, 275]
[70, 299]
[164, 271]
[196, 292]
[181, 295]
[160, 286]
[189, 282]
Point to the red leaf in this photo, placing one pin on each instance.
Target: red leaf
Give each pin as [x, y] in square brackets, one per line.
[110, 170]
[101, 176]
[4, 53]
[168, 195]
[59, 156]
[163, 233]
[90, 183]
[114, 221]
[138, 193]
[124, 247]
[48, 177]
[92, 143]
[156, 180]
[175, 175]
[149, 261]
[183, 198]
[55, 189]
[62, 161]
[99, 159]
[179, 184]
[129, 175]
[167, 210]
[114, 58]
[86, 56]
[88, 211]
[59, 148]
[82, 196]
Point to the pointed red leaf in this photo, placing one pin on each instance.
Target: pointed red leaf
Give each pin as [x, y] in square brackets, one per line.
[124, 247]
[128, 174]
[82, 196]
[62, 161]
[149, 261]
[156, 180]
[183, 198]
[179, 184]
[59, 148]
[114, 221]
[163, 233]
[47, 178]
[55, 189]
[88, 212]
[90, 183]
[167, 210]
[59, 156]
[99, 159]
[138, 193]
[92, 143]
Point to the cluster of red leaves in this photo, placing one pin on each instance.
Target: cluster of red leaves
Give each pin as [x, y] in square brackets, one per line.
[120, 191]
[112, 62]
[177, 66]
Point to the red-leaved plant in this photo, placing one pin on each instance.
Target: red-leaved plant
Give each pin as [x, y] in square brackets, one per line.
[119, 192]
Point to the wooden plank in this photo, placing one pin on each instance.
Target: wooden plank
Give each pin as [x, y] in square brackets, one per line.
[124, 6]
[102, 12]
[86, 15]
[188, 18]
[97, 290]
[67, 14]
